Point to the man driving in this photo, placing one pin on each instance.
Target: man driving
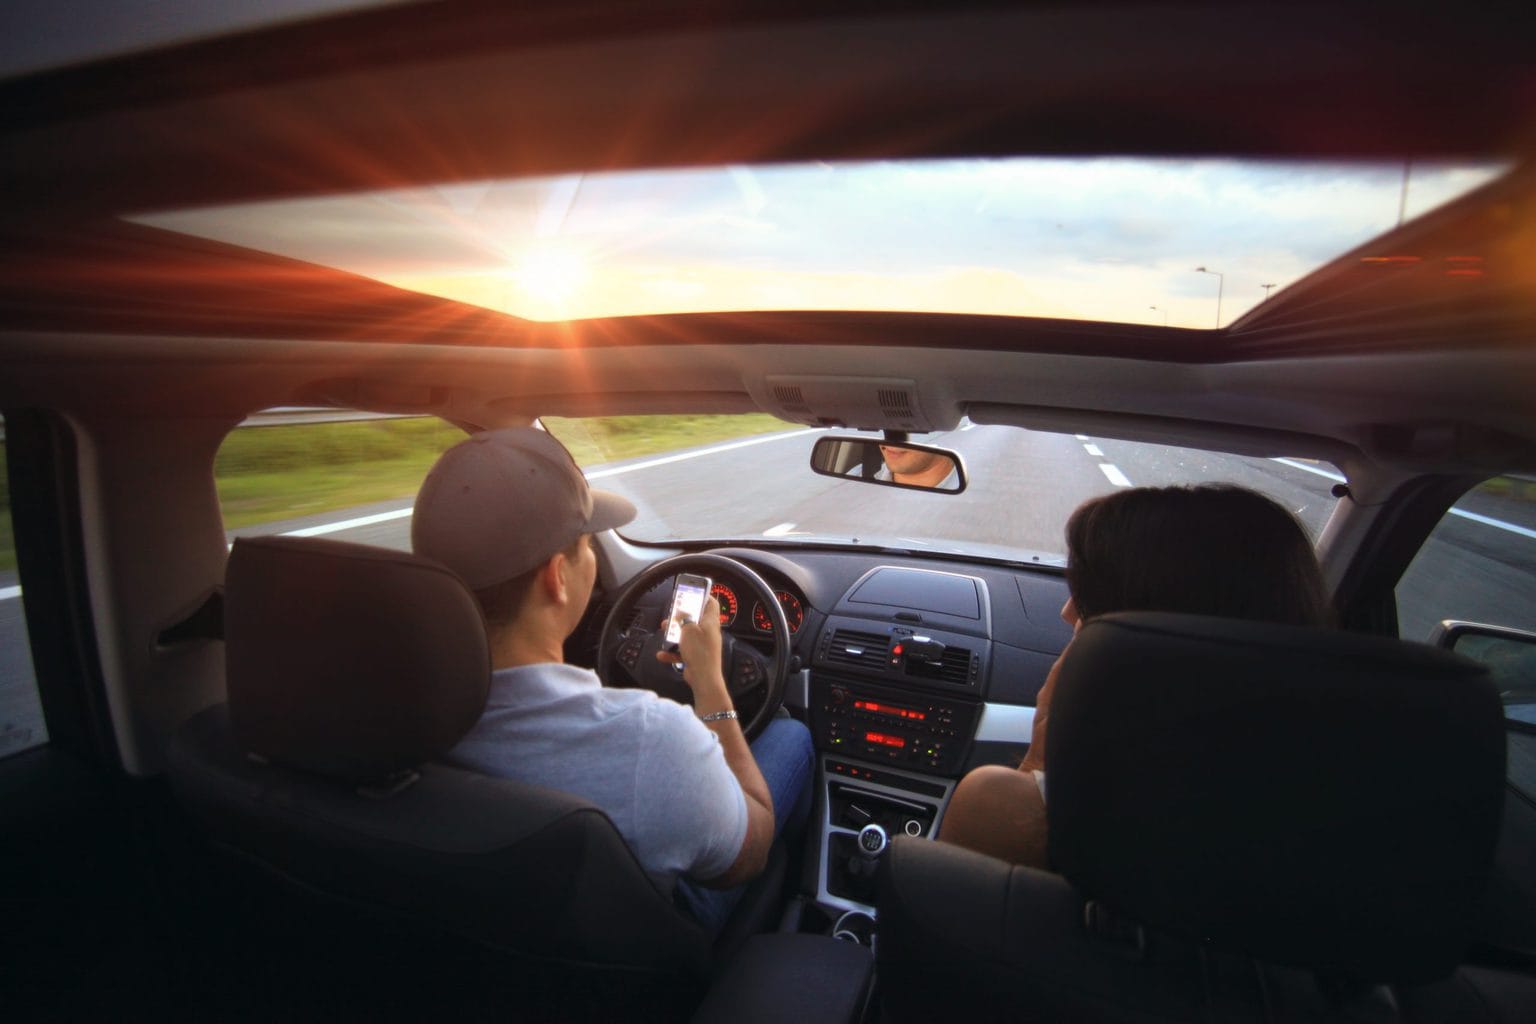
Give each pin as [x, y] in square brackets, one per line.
[510, 512]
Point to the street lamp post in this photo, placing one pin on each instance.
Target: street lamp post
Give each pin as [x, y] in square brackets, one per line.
[1266, 288]
[1156, 309]
[1221, 281]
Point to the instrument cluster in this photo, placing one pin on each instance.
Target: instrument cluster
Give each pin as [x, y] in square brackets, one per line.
[730, 597]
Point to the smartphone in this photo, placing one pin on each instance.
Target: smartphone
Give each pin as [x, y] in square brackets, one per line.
[688, 596]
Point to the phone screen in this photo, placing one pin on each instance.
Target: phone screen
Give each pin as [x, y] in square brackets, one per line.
[688, 597]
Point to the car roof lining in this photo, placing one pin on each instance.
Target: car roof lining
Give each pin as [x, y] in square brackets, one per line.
[742, 82]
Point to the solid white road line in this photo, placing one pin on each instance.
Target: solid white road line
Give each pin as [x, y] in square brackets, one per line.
[7, 593]
[349, 524]
[779, 531]
[402, 513]
[1497, 524]
[1093, 449]
[665, 460]
[1314, 470]
[1115, 476]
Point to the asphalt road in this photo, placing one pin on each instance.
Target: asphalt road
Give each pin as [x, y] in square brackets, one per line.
[1023, 485]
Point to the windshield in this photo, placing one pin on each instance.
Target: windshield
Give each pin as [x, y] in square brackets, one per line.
[730, 478]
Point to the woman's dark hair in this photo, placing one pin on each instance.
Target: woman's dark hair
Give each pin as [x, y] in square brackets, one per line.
[1211, 549]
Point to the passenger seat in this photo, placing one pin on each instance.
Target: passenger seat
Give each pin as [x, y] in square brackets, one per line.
[1251, 822]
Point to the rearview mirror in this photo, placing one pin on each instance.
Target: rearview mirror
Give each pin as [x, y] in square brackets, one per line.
[918, 467]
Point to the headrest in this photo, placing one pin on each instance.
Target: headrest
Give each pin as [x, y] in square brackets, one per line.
[1308, 797]
[349, 661]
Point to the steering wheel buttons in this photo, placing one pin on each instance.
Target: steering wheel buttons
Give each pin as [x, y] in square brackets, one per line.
[629, 652]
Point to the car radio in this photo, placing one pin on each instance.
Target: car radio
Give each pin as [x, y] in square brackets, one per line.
[914, 731]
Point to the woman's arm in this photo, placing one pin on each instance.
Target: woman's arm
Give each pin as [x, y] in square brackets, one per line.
[998, 811]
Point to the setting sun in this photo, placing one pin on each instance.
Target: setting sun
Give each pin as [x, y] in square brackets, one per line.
[550, 275]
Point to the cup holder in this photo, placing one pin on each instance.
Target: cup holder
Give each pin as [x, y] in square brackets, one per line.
[855, 926]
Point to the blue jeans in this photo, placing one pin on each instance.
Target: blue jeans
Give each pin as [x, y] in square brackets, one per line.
[785, 757]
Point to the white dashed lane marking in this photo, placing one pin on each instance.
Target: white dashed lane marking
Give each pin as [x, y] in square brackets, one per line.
[1115, 476]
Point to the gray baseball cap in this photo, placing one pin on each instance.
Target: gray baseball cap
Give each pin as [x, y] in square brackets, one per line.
[502, 502]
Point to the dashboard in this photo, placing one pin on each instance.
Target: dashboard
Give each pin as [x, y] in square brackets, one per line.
[909, 671]
[850, 613]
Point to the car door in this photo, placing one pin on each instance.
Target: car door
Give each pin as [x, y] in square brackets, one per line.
[1478, 565]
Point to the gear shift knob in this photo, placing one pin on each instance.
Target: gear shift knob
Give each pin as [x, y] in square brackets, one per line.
[872, 841]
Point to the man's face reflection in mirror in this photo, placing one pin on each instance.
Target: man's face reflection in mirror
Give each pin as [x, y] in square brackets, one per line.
[924, 469]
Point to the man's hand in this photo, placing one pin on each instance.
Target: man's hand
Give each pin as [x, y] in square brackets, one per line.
[698, 649]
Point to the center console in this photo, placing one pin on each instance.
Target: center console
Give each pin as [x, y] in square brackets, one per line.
[896, 686]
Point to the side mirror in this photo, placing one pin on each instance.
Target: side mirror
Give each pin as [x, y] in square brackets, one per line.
[1510, 655]
[918, 467]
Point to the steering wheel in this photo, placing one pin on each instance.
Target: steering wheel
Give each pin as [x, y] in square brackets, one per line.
[747, 672]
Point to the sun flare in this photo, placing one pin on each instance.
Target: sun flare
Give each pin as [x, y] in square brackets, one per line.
[550, 275]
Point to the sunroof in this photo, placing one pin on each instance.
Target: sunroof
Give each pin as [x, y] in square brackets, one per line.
[1187, 243]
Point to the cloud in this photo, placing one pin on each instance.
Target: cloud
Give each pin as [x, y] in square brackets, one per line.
[1100, 238]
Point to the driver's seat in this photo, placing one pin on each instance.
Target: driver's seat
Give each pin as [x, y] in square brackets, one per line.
[349, 670]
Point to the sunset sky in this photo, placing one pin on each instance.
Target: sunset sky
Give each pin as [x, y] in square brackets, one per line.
[1101, 239]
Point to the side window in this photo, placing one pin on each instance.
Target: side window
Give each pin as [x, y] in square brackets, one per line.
[312, 472]
[1478, 566]
[21, 712]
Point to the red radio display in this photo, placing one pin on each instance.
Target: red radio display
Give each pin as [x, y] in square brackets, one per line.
[884, 740]
[890, 709]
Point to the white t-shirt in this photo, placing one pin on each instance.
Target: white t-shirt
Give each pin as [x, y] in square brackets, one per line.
[648, 763]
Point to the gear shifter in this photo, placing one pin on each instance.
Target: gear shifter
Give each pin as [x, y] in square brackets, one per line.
[870, 844]
[872, 841]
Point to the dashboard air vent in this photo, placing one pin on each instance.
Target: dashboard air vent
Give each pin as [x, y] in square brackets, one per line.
[854, 647]
[957, 666]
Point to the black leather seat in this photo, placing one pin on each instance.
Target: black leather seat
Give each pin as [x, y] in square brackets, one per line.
[1250, 822]
[349, 669]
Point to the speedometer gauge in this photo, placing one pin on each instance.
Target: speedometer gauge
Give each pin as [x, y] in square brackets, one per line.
[728, 603]
[793, 612]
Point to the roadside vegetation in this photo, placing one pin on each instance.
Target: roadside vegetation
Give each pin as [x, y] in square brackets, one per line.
[286, 472]
[289, 471]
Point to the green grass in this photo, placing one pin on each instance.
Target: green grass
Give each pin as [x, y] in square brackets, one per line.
[1509, 487]
[284, 472]
[267, 473]
[615, 438]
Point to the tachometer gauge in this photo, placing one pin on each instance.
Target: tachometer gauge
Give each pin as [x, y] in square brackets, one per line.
[793, 613]
[728, 603]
